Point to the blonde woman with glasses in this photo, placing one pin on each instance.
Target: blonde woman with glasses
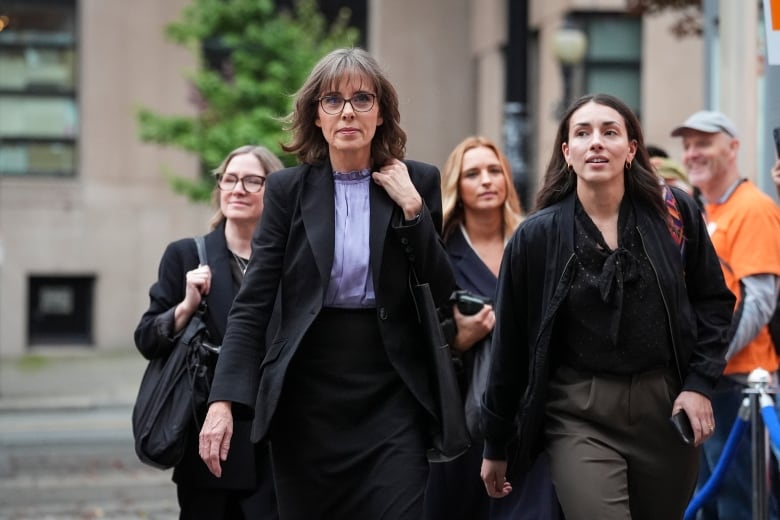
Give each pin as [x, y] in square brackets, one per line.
[245, 490]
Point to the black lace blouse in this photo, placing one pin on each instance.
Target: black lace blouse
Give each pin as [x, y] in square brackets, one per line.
[614, 320]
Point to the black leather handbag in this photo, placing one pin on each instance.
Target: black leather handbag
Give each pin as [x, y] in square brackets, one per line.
[450, 437]
[174, 391]
[468, 304]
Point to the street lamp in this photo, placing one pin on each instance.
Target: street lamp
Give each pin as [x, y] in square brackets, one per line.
[569, 46]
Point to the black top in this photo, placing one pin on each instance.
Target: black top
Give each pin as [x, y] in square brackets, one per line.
[289, 272]
[536, 274]
[614, 317]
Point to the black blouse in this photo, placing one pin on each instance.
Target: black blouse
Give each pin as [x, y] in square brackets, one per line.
[614, 319]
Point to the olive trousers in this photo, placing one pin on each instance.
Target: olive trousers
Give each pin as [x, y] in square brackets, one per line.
[614, 454]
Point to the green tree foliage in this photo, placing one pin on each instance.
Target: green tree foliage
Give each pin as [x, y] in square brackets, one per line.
[263, 57]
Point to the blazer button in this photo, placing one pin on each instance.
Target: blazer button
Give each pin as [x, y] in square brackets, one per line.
[382, 313]
[409, 249]
[404, 240]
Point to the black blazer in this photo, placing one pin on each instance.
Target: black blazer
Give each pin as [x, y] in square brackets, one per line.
[470, 271]
[292, 254]
[471, 274]
[154, 338]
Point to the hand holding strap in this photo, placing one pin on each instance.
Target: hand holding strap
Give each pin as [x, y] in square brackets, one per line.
[200, 244]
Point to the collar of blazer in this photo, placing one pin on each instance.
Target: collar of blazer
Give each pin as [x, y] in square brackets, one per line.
[318, 213]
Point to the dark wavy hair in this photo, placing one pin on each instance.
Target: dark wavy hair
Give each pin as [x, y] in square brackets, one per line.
[308, 143]
[641, 183]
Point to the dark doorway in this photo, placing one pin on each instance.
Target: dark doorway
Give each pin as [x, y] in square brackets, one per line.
[60, 310]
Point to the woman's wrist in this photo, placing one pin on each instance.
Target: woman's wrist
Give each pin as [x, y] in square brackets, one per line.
[413, 211]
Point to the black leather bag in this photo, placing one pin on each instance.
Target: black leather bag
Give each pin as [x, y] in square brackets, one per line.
[450, 437]
[472, 405]
[479, 355]
[174, 391]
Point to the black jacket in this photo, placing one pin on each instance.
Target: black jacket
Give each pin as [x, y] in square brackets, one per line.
[536, 272]
[154, 338]
[292, 256]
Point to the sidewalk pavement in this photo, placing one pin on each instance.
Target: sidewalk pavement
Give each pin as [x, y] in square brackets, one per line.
[61, 379]
[66, 445]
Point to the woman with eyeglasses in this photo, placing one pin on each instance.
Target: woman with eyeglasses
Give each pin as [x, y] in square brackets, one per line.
[342, 391]
[245, 489]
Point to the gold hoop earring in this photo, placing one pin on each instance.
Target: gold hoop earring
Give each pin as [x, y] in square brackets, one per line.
[628, 164]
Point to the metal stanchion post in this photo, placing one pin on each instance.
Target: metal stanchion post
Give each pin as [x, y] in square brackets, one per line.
[758, 440]
[758, 384]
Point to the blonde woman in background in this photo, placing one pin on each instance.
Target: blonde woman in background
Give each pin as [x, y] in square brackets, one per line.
[481, 211]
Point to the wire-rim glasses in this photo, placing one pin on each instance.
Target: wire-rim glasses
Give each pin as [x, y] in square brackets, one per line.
[333, 104]
[250, 183]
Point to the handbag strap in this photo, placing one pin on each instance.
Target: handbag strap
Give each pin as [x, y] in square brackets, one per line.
[413, 276]
[200, 243]
[412, 281]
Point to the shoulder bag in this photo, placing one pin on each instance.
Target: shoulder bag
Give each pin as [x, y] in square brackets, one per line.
[472, 405]
[174, 391]
[450, 437]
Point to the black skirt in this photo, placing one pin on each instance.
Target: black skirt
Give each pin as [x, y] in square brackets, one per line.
[348, 438]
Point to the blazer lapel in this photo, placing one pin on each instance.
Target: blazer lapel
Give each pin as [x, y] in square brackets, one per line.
[382, 210]
[318, 212]
[470, 271]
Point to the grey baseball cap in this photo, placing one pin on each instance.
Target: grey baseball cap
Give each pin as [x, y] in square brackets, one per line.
[709, 121]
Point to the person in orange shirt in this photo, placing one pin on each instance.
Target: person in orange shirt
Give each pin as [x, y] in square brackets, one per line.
[744, 224]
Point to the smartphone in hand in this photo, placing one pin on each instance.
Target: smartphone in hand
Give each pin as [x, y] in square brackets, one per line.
[683, 426]
[776, 135]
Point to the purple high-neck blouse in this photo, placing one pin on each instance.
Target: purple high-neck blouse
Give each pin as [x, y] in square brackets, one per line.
[351, 285]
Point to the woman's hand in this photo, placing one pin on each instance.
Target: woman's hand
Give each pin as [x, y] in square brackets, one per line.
[394, 178]
[214, 439]
[472, 328]
[699, 411]
[493, 474]
[197, 285]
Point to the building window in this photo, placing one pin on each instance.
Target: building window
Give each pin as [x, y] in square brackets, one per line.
[60, 310]
[38, 86]
[613, 61]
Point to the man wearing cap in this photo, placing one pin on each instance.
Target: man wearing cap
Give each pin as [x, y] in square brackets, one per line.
[744, 224]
